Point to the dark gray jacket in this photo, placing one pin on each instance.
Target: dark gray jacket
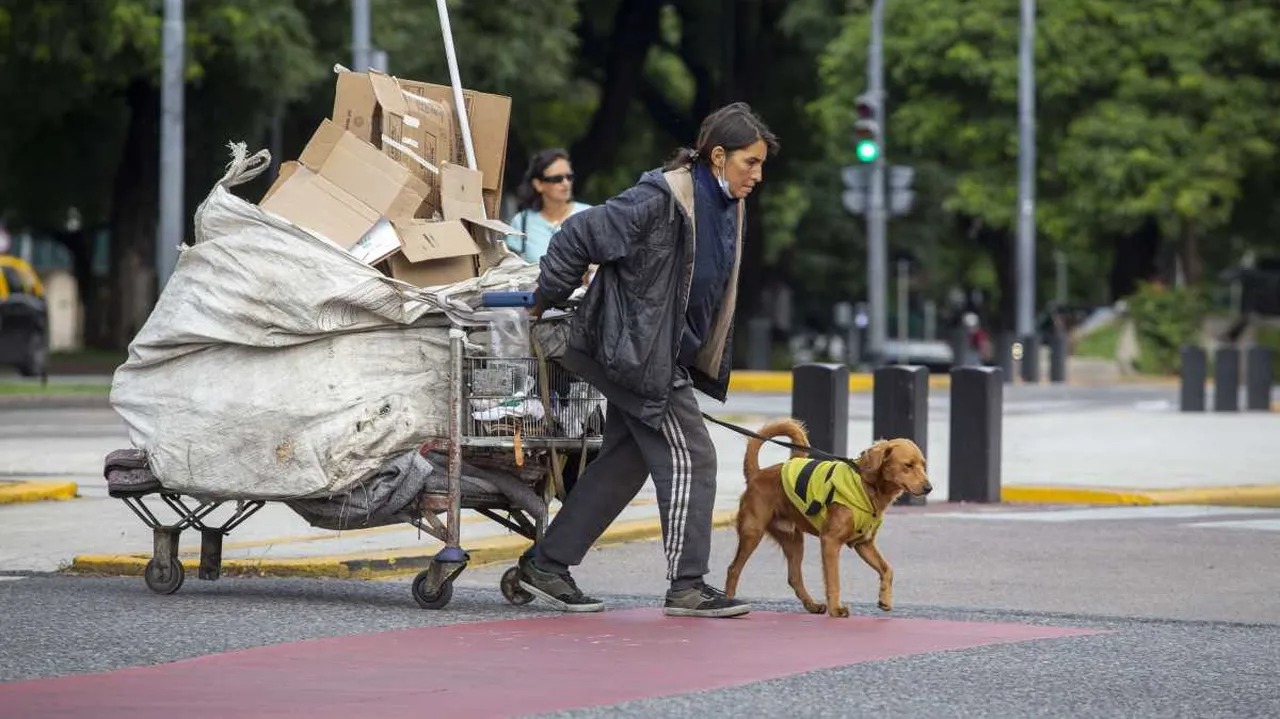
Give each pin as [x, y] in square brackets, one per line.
[626, 335]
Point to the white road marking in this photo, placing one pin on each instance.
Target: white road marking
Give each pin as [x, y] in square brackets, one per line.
[1177, 511]
[1264, 525]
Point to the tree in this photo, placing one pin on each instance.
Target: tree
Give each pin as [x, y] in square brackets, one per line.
[86, 77]
[1150, 112]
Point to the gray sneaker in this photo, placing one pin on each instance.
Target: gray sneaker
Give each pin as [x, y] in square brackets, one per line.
[703, 601]
[558, 590]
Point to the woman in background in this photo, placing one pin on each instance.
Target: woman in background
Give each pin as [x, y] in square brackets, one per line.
[545, 199]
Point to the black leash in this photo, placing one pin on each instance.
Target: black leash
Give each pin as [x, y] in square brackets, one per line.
[789, 445]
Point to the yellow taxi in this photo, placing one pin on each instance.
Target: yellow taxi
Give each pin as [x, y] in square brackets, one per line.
[24, 318]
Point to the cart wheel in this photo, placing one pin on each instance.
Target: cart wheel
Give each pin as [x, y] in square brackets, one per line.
[511, 588]
[163, 578]
[431, 601]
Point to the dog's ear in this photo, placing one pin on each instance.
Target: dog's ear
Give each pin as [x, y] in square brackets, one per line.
[873, 458]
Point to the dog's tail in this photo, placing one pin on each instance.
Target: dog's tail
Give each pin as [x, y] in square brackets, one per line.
[789, 428]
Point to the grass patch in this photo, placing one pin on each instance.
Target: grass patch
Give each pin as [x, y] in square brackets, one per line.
[1100, 343]
[35, 389]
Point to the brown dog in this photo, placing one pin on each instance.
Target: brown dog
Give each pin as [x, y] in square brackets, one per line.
[840, 512]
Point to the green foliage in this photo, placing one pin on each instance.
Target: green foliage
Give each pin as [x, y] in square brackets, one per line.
[65, 67]
[1268, 335]
[1165, 320]
[1159, 109]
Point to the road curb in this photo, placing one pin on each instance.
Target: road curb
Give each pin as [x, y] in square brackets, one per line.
[490, 550]
[22, 491]
[780, 382]
[1257, 495]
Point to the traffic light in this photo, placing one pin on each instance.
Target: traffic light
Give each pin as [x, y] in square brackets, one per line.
[866, 131]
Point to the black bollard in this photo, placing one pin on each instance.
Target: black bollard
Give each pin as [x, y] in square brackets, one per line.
[820, 399]
[977, 414]
[1192, 372]
[1226, 380]
[1058, 357]
[900, 408]
[1031, 359]
[1258, 369]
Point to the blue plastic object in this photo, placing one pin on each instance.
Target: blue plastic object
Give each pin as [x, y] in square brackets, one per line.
[451, 555]
[507, 299]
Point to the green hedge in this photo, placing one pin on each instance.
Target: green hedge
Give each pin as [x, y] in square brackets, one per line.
[1165, 320]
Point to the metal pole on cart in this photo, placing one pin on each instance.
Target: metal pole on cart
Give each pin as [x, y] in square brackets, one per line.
[452, 551]
[463, 121]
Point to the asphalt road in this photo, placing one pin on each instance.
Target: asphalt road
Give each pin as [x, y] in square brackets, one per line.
[1184, 604]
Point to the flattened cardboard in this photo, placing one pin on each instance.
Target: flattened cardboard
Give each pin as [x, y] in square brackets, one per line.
[286, 171]
[432, 252]
[412, 130]
[490, 119]
[434, 273]
[461, 199]
[314, 203]
[423, 240]
[341, 187]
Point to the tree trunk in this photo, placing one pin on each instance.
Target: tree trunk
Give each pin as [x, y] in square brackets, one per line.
[134, 221]
[80, 245]
[635, 29]
[998, 243]
[1135, 259]
[1192, 265]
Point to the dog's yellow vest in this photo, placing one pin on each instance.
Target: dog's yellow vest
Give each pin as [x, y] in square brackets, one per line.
[812, 484]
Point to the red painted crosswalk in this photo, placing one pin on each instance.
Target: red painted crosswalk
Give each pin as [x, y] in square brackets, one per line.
[499, 668]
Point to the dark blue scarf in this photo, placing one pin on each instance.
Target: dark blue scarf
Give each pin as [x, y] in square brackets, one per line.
[717, 232]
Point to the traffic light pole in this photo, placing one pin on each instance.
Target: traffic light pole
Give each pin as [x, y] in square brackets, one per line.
[877, 250]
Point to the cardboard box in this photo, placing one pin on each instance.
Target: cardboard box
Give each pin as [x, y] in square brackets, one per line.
[434, 253]
[341, 187]
[490, 119]
[439, 252]
[411, 129]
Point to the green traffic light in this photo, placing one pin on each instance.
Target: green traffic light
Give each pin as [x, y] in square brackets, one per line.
[867, 150]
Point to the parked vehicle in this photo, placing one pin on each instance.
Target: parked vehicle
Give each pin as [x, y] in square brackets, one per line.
[24, 318]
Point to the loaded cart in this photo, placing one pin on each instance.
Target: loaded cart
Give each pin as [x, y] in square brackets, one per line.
[355, 346]
[517, 425]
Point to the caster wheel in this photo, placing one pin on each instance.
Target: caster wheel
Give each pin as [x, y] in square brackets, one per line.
[163, 578]
[511, 588]
[431, 601]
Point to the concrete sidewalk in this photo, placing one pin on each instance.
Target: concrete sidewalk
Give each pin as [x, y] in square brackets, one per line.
[1112, 456]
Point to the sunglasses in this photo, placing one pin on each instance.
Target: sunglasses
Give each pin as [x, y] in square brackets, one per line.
[557, 179]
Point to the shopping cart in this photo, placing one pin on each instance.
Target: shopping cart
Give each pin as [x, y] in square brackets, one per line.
[523, 415]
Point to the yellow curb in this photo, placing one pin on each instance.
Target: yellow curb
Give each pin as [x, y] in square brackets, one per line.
[1261, 495]
[368, 565]
[16, 492]
[780, 382]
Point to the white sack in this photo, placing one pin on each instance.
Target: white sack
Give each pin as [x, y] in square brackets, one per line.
[275, 365]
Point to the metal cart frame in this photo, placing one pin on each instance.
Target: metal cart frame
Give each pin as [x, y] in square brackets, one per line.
[432, 588]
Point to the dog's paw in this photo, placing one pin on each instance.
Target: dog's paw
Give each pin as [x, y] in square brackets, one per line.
[815, 608]
[839, 612]
[885, 606]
